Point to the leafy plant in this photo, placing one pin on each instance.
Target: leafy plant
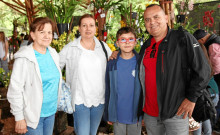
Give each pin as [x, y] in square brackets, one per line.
[184, 6]
[58, 44]
[62, 10]
[187, 26]
[105, 4]
[4, 77]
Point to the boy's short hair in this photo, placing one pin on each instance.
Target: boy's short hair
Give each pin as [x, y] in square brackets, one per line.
[125, 30]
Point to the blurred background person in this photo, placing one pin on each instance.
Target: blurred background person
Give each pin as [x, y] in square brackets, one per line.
[25, 41]
[3, 52]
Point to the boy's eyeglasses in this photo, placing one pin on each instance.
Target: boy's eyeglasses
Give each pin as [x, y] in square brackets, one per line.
[129, 40]
[153, 51]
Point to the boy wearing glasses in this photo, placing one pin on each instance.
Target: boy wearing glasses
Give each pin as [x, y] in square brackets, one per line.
[123, 86]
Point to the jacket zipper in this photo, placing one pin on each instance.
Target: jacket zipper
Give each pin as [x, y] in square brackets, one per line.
[162, 76]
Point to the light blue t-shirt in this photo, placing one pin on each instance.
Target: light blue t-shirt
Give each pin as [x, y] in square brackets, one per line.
[126, 76]
[50, 79]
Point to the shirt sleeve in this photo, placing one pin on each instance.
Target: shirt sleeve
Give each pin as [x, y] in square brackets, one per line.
[200, 69]
[16, 89]
[214, 55]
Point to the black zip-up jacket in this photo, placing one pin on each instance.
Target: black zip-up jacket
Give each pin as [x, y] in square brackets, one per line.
[212, 39]
[172, 85]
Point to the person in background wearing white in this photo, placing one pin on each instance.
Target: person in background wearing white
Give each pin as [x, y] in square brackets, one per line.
[35, 82]
[85, 63]
[3, 52]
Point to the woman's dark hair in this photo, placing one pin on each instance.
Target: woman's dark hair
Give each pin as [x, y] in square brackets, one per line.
[125, 30]
[3, 36]
[38, 24]
[85, 16]
[26, 37]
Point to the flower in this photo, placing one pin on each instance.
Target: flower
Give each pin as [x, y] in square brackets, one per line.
[184, 6]
[208, 20]
[58, 44]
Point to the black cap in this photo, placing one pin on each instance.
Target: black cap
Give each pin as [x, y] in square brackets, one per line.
[200, 33]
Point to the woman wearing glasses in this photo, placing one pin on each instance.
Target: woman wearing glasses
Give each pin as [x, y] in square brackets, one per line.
[85, 63]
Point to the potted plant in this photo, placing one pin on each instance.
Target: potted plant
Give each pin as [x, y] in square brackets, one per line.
[61, 11]
[183, 7]
[102, 7]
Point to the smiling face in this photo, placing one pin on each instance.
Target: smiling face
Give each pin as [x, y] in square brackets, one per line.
[126, 42]
[87, 28]
[156, 22]
[42, 37]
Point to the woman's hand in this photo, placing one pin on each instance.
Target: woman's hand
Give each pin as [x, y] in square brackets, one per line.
[21, 127]
[4, 58]
[110, 123]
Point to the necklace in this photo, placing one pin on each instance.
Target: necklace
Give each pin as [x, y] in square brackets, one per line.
[91, 47]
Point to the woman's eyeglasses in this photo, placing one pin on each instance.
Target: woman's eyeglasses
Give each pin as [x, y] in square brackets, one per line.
[153, 51]
[129, 40]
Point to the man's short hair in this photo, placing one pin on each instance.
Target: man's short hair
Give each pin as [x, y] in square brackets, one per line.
[125, 30]
[200, 33]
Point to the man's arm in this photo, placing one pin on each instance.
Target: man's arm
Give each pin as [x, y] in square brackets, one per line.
[199, 78]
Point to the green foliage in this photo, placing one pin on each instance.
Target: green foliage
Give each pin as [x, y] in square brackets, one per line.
[58, 44]
[106, 4]
[62, 10]
[187, 26]
[7, 16]
[4, 77]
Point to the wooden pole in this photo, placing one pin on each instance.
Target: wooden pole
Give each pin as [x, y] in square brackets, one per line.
[56, 25]
[69, 29]
[172, 14]
[130, 14]
[124, 19]
[198, 25]
[219, 28]
[167, 11]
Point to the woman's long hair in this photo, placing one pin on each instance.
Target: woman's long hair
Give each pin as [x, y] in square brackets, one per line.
[2, 36]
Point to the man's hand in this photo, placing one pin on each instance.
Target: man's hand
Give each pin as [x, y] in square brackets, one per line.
[21, 127]
[114, 55]
[186, 107]
[110, 123]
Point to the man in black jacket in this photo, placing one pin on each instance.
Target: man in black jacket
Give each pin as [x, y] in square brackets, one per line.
[168, 99]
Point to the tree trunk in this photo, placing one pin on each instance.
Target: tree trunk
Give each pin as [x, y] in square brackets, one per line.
[101, 23]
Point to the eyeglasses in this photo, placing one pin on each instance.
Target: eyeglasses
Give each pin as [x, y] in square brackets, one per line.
[129, 40]
[153, 51]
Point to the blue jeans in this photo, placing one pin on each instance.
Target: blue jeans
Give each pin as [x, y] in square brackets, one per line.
[87, 120]
[44, 127]
[4, 65]
[206, 125]
[207, 128]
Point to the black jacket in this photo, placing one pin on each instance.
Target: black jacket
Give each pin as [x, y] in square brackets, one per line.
[212, 39]
[172, 85]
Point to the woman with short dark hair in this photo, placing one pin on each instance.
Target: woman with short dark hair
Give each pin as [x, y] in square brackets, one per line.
[35, 82]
